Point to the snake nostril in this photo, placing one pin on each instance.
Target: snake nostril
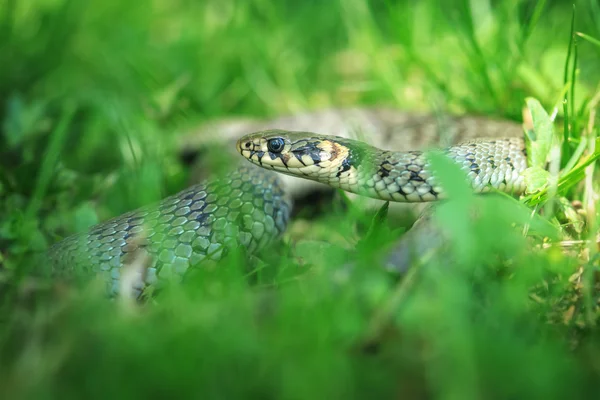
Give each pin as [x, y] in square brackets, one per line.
[247, 145]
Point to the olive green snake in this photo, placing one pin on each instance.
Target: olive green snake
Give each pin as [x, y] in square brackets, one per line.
[249, 206]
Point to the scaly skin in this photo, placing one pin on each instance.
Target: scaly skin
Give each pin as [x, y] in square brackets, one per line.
[382, 127]
[398, 176]
[246, 207]
[250, 207]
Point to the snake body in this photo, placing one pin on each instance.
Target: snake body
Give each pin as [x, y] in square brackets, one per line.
[246, 207]
[250, 206]
[359, 168]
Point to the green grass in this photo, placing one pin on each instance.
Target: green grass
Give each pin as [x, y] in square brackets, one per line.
[93, 96]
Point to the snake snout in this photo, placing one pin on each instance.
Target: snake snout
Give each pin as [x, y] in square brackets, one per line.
[242, 145]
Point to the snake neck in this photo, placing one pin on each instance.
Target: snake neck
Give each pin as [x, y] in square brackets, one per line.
[402, 176]
[408, 176]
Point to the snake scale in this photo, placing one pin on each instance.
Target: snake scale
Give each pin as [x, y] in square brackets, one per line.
[250, 206]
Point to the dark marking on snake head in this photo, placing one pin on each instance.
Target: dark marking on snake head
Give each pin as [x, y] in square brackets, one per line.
[315, 157]
[355, 153]
[299, 158]
[260, 155]
[346, 165]
[285, 158]
[307, 148]
[334, 150]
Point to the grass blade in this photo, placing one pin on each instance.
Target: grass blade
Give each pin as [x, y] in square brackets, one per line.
[51, 158]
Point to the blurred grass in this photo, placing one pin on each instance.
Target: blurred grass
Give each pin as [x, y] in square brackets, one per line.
[92, 98]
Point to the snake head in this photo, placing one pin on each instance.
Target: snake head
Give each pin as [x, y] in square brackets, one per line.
[294, 153]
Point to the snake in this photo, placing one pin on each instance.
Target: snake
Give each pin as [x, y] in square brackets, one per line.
[250, 205]
[401, 176]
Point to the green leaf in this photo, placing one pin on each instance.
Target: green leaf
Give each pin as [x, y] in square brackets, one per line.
[378, 231]
[314, 252]
[589, 38]
[84, 217]
[378, 219]
[450, 176]
[565, 182]
[536, 178]
[539, 141]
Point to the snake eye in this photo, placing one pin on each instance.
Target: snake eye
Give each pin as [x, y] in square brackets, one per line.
[276, 145]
